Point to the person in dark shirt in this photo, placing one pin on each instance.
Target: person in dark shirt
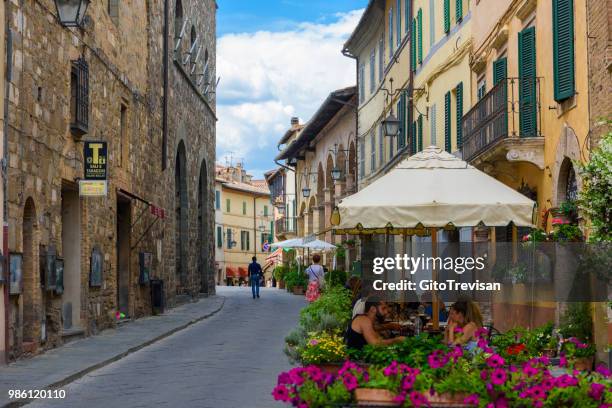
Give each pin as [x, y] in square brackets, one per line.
[361, 331]
[254, 277]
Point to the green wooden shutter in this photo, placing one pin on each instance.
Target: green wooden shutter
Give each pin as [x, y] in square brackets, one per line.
[459, 92]
[420, 30]
[413, 40]
[563, 49]
[447, 122]
[446, 16]
[500, 70]
[420, 133]
[401, 142]
[527, 83]
[459, 10]
[413, 138]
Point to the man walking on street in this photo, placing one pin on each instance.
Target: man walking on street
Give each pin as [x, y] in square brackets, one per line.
[255, 276]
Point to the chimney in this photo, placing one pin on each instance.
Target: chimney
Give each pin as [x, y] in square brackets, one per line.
[295, 121]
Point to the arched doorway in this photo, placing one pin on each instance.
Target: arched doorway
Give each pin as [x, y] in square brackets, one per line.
[567, 187]
[352, 169]
[341, 164]
[178, 19]
[203, 233]
[300, 220]
[181, 217]
[32, 293]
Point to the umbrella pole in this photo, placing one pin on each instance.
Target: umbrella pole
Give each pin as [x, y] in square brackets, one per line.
[435, 307]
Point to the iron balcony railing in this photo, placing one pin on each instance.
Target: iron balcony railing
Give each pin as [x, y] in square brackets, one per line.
[510, 110]
[285, 225]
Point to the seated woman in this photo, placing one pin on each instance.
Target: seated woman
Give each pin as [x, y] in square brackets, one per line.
[464, 315]
[361, 329]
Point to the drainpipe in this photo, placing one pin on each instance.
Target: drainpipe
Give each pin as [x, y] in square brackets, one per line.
[410, 88]
[5, 249]
[348, 54]
[166, 87]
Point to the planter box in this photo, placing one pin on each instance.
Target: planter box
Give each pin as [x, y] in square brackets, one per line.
[298, 290]
[330, 368]
[446, 400]
[583, 363]
[368, 397]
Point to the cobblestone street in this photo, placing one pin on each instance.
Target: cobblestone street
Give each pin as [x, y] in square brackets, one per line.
[229, 360]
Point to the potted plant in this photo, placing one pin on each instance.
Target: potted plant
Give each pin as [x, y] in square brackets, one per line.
[279, 274]
[580, 355]
[326, 350]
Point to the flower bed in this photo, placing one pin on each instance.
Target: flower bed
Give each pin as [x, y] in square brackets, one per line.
[452, 376]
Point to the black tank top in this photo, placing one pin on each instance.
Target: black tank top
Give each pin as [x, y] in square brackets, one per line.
[353, 339]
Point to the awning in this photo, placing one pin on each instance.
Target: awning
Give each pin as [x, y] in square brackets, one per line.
[290, 243]
[434, 189]
[320, 245]
[244, 272]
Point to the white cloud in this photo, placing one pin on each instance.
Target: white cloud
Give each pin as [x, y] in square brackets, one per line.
[267, 77]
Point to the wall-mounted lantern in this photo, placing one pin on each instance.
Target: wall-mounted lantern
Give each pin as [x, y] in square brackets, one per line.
[71, 13]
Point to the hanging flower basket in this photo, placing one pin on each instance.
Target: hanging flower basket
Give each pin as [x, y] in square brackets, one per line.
[367, 397]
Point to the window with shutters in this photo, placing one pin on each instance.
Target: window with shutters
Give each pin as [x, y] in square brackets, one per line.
[372, 151]
[459, 95]
[228, 235]
[79, 97]
[433, 117]
[527, 83]
[265, 211]
[500, 70]
[482, 87]
[420, 34]
[217, 199]
[447, 122]
[398, 23]
[413, 41]
[113, 11]
[401, 109]
[245, 240]
[244, 208]
[381, 145]
[219, 237]
[361, 83]
[362, 159]
[227, 205]
[413, 137]
[563, 49]
[373, 70]
[391, 49]
[458, 10]
[432, 23]
[381, 59]
[447, 20]
[391, 147]
[420, 133]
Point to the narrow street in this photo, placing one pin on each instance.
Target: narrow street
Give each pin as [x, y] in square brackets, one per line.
[229, 360]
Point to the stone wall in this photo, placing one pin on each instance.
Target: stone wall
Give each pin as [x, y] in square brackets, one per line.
[45, 158]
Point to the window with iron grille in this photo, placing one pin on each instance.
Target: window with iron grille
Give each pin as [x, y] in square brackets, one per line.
[79, 97]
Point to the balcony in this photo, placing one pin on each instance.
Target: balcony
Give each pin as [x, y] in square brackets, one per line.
[505, 122]
[285, 225]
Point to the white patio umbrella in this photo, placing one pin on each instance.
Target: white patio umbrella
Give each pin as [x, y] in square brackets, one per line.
[320, 245]
[430, 190]
[290, 243]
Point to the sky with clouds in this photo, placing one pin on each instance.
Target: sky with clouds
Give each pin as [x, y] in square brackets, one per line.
[276, 59]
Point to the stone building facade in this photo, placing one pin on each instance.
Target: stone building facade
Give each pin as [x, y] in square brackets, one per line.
[103, 82]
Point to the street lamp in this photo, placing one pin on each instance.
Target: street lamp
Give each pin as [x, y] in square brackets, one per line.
[71, 12]
[306, 192]
[336, 174]
[391, 125]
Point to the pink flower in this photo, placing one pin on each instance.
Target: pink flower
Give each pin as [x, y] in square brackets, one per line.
[596, 391]
[495, 361]
[537, 392]
[456, 353]
[391, 369]
[529, 370]
[603, 370]
[350, 382]
[458, 330]
[562, 360]
[302, 405]
[418, 399]
[481, 333]
[313, 342]
[408, 382]
[565, 381]
[484, 375]
[400, 399]
[281, 393]
[498, 376]
[471, 400]
[284, 378]
[437, 359]
[501, 403]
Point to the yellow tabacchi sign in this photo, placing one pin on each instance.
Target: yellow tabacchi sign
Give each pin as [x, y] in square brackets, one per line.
[95, 155]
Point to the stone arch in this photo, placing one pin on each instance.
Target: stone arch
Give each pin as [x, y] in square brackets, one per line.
[567, 185]
[178, 18]
[312, 203]
[203, 228]
[320, 183]
[300, 219]
[568, 150]
[341, 164]
[181, 211]
[32, 296]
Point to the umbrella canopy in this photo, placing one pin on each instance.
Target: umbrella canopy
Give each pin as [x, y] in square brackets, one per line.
[319, 245]
[434, 189]
[290, 243]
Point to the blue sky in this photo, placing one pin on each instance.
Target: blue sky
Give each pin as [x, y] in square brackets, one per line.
[276, 59]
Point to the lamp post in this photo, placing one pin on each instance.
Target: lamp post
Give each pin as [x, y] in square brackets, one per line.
[391, 125]
[71, 13]
[306, 192]
[337, 172]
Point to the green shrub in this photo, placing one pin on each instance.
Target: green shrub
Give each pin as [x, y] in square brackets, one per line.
[295, 277]
[335, 278]
[334, 302]
[280, 272]
[577, 322]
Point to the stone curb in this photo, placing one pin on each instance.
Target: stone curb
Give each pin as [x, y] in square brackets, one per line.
[82, 373]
